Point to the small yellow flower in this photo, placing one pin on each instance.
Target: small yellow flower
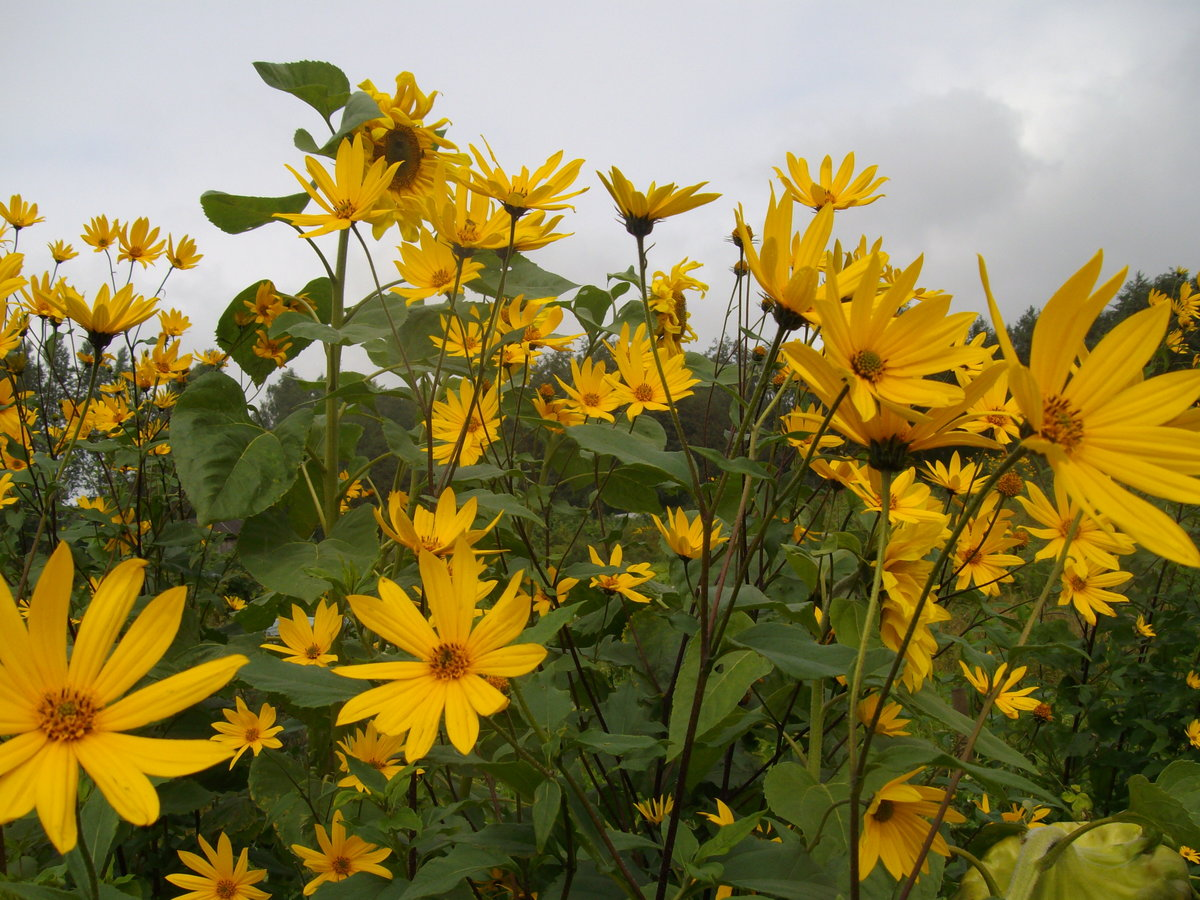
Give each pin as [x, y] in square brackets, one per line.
[1189, 854]
[235, 603]
[219, 877]
[686, 538]
[543, 189]
[640, 210]
[244, 730]
[723, 815]
[182, 255]
[1144, 628]
[837, 191]
[173, 323]
[592, 393]
[655, 809]
[138, 243]
[623, 582]
[308, 639]
[349, 196]
[108, 314]
[432, 268]
[61, 251]
[1193, 680]
[437, 531]
[380, 751]
[890, 724]
[99, 234]
[272, 349]
[340, 856]
[1008, 701]
[7, 496]
[1030, 817]
[1193, 733]
[20, 214]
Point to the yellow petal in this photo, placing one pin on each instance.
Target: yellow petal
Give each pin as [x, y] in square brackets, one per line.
[16, 752]
[503, 622]
[393, 615]
[390, 671]
[140, 649]
[462, 725]
[48, 617]
[424, 723]
[105, 616]
[169, 696]
[14, 649]
[484, 699]
[1118, 359]
[508, 662]
[164, 757]
[124, 785]
[17, 792]
[57, 783]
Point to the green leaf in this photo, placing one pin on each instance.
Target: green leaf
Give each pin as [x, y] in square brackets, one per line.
[238, 340]
[630, 448]
[777, 869]
[727, 837]
[524, 277]
[441, 875]
[727, 685]
[307, 686]
[371, 777]
[547, 800]
[234, 213]
[784, 789]
[929, 704]
[632, 488]
[28, 891]
[1171, 803]
[230, 467]
[619, 744]
[740, 465]
[321, 85]
[794, 652]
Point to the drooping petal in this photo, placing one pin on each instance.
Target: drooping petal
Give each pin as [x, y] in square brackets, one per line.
[424, 723]
[169, 696]
[102, 622]
[124, 785]
[17, 794]
[462, 725]
[56, 780]
[140, 649]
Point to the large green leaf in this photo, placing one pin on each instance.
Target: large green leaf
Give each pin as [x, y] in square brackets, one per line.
[727, 685]
[238, 339]
[608, 440]
[930, 704]
[1171, 803]
[441, 875]
[307, 686]
[230, 467]
[234, 213]
[524, 277]
[777, 870]
[321, 85]
[794, 651]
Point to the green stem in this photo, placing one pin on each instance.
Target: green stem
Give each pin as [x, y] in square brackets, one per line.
[333, 365]
[984, 872]
[86, 854]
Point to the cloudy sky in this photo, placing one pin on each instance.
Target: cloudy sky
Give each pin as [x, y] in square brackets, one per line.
[1034, 133]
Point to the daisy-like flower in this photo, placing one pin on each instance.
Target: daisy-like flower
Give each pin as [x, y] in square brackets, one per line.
[61, 251]
[173, 323]
[244, 730]
[1193, 680]
[686, 537]
[20, 214]
[7, 495]
[108, 314]
[890, 724]
[801, 425]
[436, 532]
[787, 270]
[1094, 541]
[1193, 733]
[668, 302]
[835, 191]
[138, 243]
[622, 582]
[536, 319]
[1189, 854]
[640, 210]
[431, 269]
[723, 815]
[995, 412]
[1008, 701]
[308, 640]
[955, 477]
[217, 876]
[183, 255]
[349, 196]
[459, 416]
[466, 221]
[905, 571]
[380, 751]
[1144, 628]
[274, 349]
[545, 188]
[100, 235]
[591, 391]
[218, 359]
[66, 713]
[1102, 423]
[980, 552]
[656, 809]
[340, 856]
[1086, 585]
[463, 336]
[896, 824]
[1029, 816]
[454, 653]
[640, 385]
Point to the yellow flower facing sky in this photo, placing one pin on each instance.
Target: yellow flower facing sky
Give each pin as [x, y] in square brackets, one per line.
[20, 214]
[340, 856]
[655, 809]
[139, 243]
[435, 531]
[453, 654]
[217, 876]
[465, 425]
[829, 189]
[640, 210]
[685, 536]
[544, 188]
[349, 196]
[108, 314]
[624, 581]
[69, 712]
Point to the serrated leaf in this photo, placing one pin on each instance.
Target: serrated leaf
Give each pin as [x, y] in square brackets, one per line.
[524, 277]
[321, 85]
[235, 214]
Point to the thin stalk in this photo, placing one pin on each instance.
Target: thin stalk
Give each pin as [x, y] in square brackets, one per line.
[333, 365]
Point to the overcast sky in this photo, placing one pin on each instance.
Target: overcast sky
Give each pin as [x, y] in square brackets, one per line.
[1034, 133]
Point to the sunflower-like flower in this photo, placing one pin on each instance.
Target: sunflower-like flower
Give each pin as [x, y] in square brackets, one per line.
[68, 712]
[890, 724]
[1008, 701]
[379, 751]
[459, 422]
[655, 809]
[244, 730]
[640, 210]
[183, 255]
[453, 653]
[640, 384]
[590, 390]
[955, 477]
[307, 641]
[1144, 628]
[432, 268]
[349, 196]
[139, 243]
[20, 214]
[340, 856]
[980, 551]
[466, 221]
[217, 876]
[1193, 733]
[624, 581]
[905, 571]
[108, 314]
[668, 302]
[686, 537]
[544, 188]
[1102, 423]
[61, 251]
[1094, 540]
[1086, 585]
[435, 532]
[896, 825]
[830, 190]
[99, 234]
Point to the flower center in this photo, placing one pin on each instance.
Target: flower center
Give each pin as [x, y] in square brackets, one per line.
[251, 735]
[884, 811]
[867, 364]
[1077, 583]
[643, 393]
[225, 889]
[313, 651]
[340, 865]
[449, 661]
[591, 399]
[532, 335]
[996, 419]
[1061, 424]
[343, 209]
[402, 145]
[67, 714]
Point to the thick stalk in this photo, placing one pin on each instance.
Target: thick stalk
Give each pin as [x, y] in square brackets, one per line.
[333, 366]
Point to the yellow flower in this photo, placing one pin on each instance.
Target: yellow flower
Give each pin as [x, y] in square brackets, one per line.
[376, 750]
[1144, 628]
[183, 255]
[836, 191]
[454, 654]
[1193, 733]
[466, 221]
[61, 251]
[1189, 854]
[65, 713]
[686, 538]
[1008, 701]
[99, 234]
[219, 878]
[786, 268]
[640, 385]
[459, 417]
[591, 392]
[243, 730]
[1024, 815]
[308, 640]
[432, 269]
[1095, 541]
[905, 571]
[723, 815]
[138, 243]
[890, 724]
[1102, 423]
[462, 338]
[979, 553]
[276, 350]
[896, 825]
[655, 809]
[340, 856]
[640, 210]
[7, 496]
[1193, 680]
[20, 214]
[543, 189]
[233, 602]
[1084, 584]
[349, 196]
[955, 477]
[436, 532]
[669, 304]
[215, 358]
[109, 314]
[623, 582]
